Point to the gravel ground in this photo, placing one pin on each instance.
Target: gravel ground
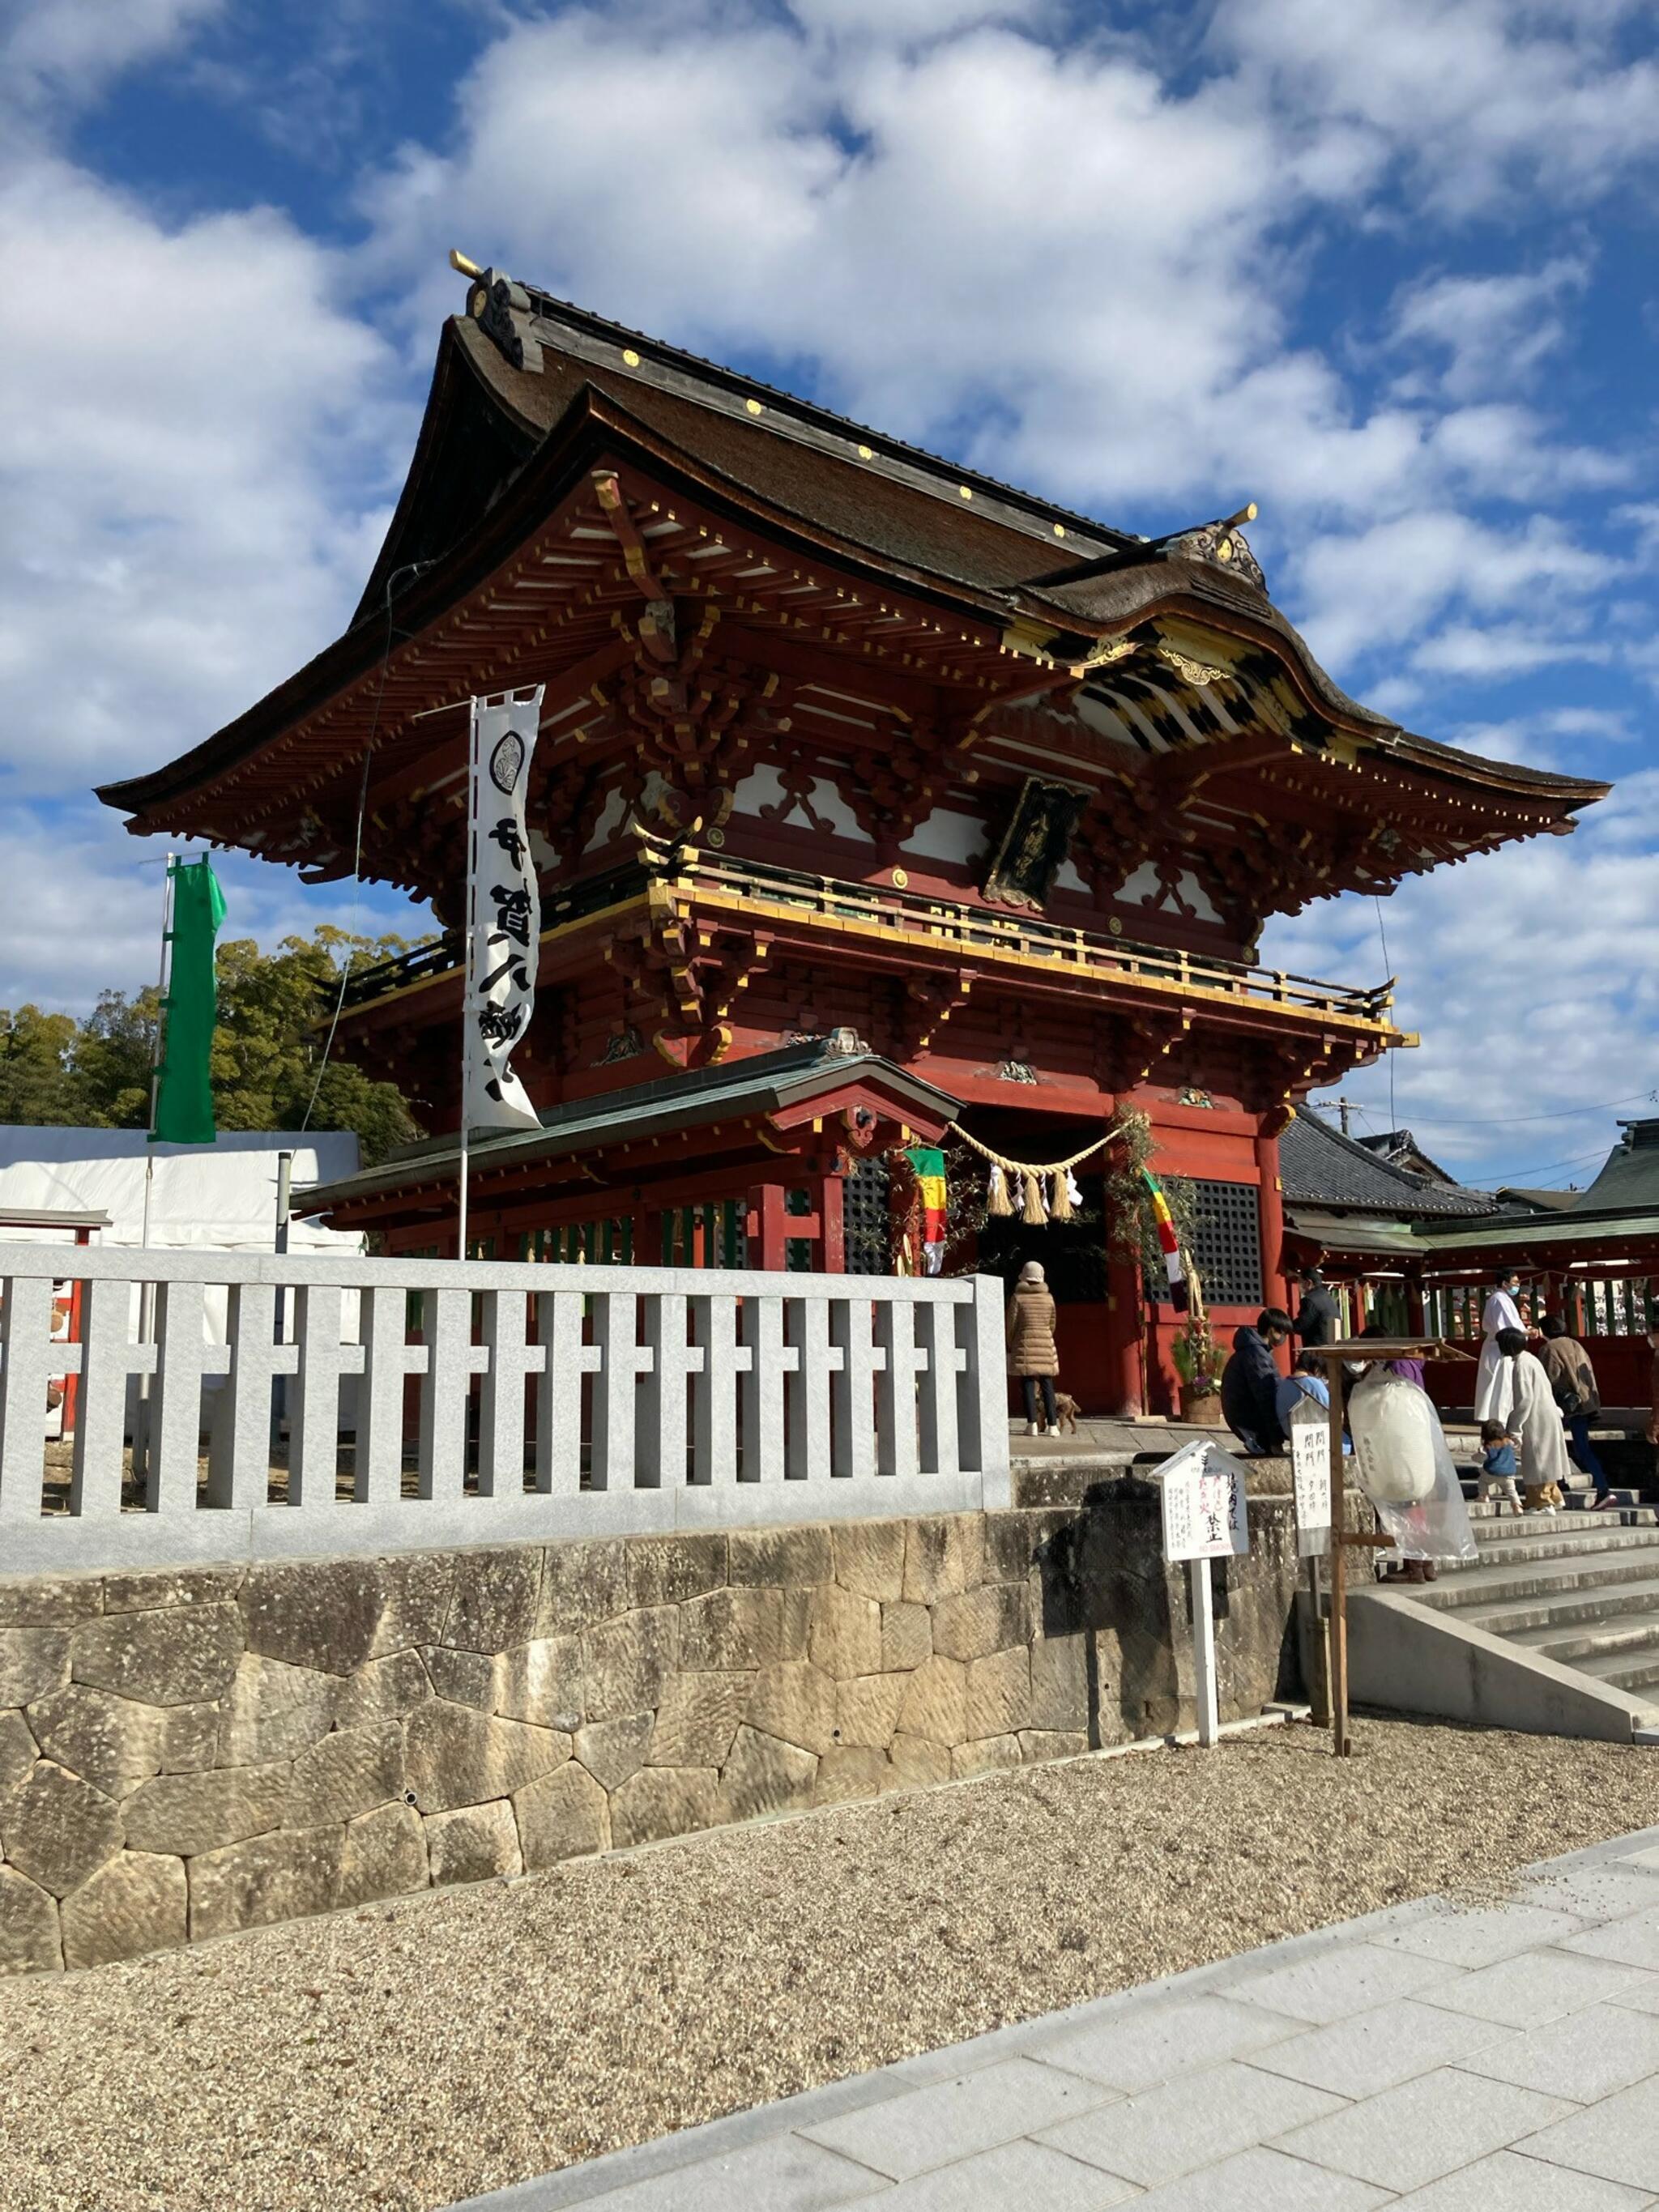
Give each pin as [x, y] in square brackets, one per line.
[411, 2054]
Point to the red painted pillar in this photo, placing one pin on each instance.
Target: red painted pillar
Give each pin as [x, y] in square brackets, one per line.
[832, 1193]
[766, 1225]
[1271, 1207]
[1125, 1347]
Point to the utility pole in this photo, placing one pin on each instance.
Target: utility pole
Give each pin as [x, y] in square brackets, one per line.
[1344, 1107]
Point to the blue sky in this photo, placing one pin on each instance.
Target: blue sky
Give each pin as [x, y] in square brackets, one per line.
[1385, 267]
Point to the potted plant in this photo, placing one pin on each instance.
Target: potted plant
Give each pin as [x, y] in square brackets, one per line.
[1198, 1365]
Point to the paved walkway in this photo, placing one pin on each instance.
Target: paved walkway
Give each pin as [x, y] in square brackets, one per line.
[1451, 2057]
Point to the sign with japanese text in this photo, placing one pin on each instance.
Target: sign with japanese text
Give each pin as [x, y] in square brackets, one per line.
[503, 911]
[1311, 1469]
[1206, 1515]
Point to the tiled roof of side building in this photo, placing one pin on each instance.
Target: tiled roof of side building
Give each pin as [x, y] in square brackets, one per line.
[1401, 1148]
[1319, 1166]
[1629, 1180]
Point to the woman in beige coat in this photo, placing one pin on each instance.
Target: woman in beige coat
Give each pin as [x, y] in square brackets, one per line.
[1031, 1353]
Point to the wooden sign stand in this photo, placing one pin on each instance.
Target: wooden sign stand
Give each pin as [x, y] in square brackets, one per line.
[1363, 1351]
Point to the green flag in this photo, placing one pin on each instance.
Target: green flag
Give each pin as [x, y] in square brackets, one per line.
[184, 1098]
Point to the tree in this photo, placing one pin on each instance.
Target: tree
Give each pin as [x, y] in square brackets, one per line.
[34, 1078]
[268, 1068]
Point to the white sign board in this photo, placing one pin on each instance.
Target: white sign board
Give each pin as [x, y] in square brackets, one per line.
[1310, 1466]
[1206, 1513]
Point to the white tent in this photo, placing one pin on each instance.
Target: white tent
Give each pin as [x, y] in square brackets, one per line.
[222, 1196]
[219, 1197]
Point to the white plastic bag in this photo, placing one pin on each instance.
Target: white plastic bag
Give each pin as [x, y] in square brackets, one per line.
[1395, 1430]
[1403, 1465]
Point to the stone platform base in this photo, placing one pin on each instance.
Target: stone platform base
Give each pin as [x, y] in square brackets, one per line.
[186, 1754]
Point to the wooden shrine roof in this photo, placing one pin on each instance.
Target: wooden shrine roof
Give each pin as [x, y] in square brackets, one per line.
[812, 1073]
[529, 393]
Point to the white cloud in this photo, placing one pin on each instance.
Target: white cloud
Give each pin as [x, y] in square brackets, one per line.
[1493, 330]
[1501, 651]
[1472, 102]
[195, 474]
[1525, 1007]
[984, 228]
[1396, 581]
[1499, 450]
[914, 22]
[1552, 737]
[1051, 261]
[1643, 516]
[70, 50]
[61, 869]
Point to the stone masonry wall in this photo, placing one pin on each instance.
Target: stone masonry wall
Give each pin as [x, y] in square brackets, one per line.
[190, 1753]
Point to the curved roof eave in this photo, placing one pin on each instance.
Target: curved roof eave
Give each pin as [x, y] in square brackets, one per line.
[1142, 590]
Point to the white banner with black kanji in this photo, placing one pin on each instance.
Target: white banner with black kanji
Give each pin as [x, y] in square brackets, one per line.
[503, 911]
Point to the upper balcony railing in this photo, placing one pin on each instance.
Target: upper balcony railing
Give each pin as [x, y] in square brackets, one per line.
[297, 1406]
[949, 927]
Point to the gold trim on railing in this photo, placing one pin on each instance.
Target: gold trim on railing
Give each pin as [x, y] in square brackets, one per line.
[675, 882]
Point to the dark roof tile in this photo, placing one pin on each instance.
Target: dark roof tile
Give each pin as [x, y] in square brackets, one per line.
[1319, 1166]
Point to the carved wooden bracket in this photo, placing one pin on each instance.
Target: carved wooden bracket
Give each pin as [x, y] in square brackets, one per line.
[930, 1002]
[892, 792]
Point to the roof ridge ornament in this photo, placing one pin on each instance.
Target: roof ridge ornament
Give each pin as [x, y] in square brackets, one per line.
[502, 311]
[1221, 542]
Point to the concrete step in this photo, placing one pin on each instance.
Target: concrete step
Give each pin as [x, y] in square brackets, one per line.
[1553, 1626]
[1635, 1672]
[1560, 1573]
[1550, 1539]
[1578, 1501]
[1566, 1609]
[1410, 1656]
[1573, 1643]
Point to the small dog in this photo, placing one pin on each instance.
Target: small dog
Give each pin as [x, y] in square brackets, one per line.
[1065, 1414]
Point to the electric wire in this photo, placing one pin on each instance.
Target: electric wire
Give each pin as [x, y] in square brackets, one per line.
[1539, 1167]
[409, 568]
[1510, 1121]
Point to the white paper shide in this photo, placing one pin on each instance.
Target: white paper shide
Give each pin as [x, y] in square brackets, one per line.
[504, 911]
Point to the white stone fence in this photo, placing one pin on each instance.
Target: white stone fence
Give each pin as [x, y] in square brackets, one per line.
[484, 1402]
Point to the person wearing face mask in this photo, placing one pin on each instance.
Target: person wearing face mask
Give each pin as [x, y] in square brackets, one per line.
[1249, 1383]
[1494, 1379]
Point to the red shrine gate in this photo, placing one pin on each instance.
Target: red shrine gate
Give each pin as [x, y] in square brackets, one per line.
[872, 799]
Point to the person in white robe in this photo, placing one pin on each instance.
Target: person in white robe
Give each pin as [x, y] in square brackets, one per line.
[1535, 1418]
[1494, 1379]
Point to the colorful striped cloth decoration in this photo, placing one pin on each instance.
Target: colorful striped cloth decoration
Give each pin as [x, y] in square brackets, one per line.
[929, 1161]
[1169, 1243]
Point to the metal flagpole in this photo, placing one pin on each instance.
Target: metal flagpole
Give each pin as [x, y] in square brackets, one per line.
[147, 1295]
[279, 1245]
[467, 966]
